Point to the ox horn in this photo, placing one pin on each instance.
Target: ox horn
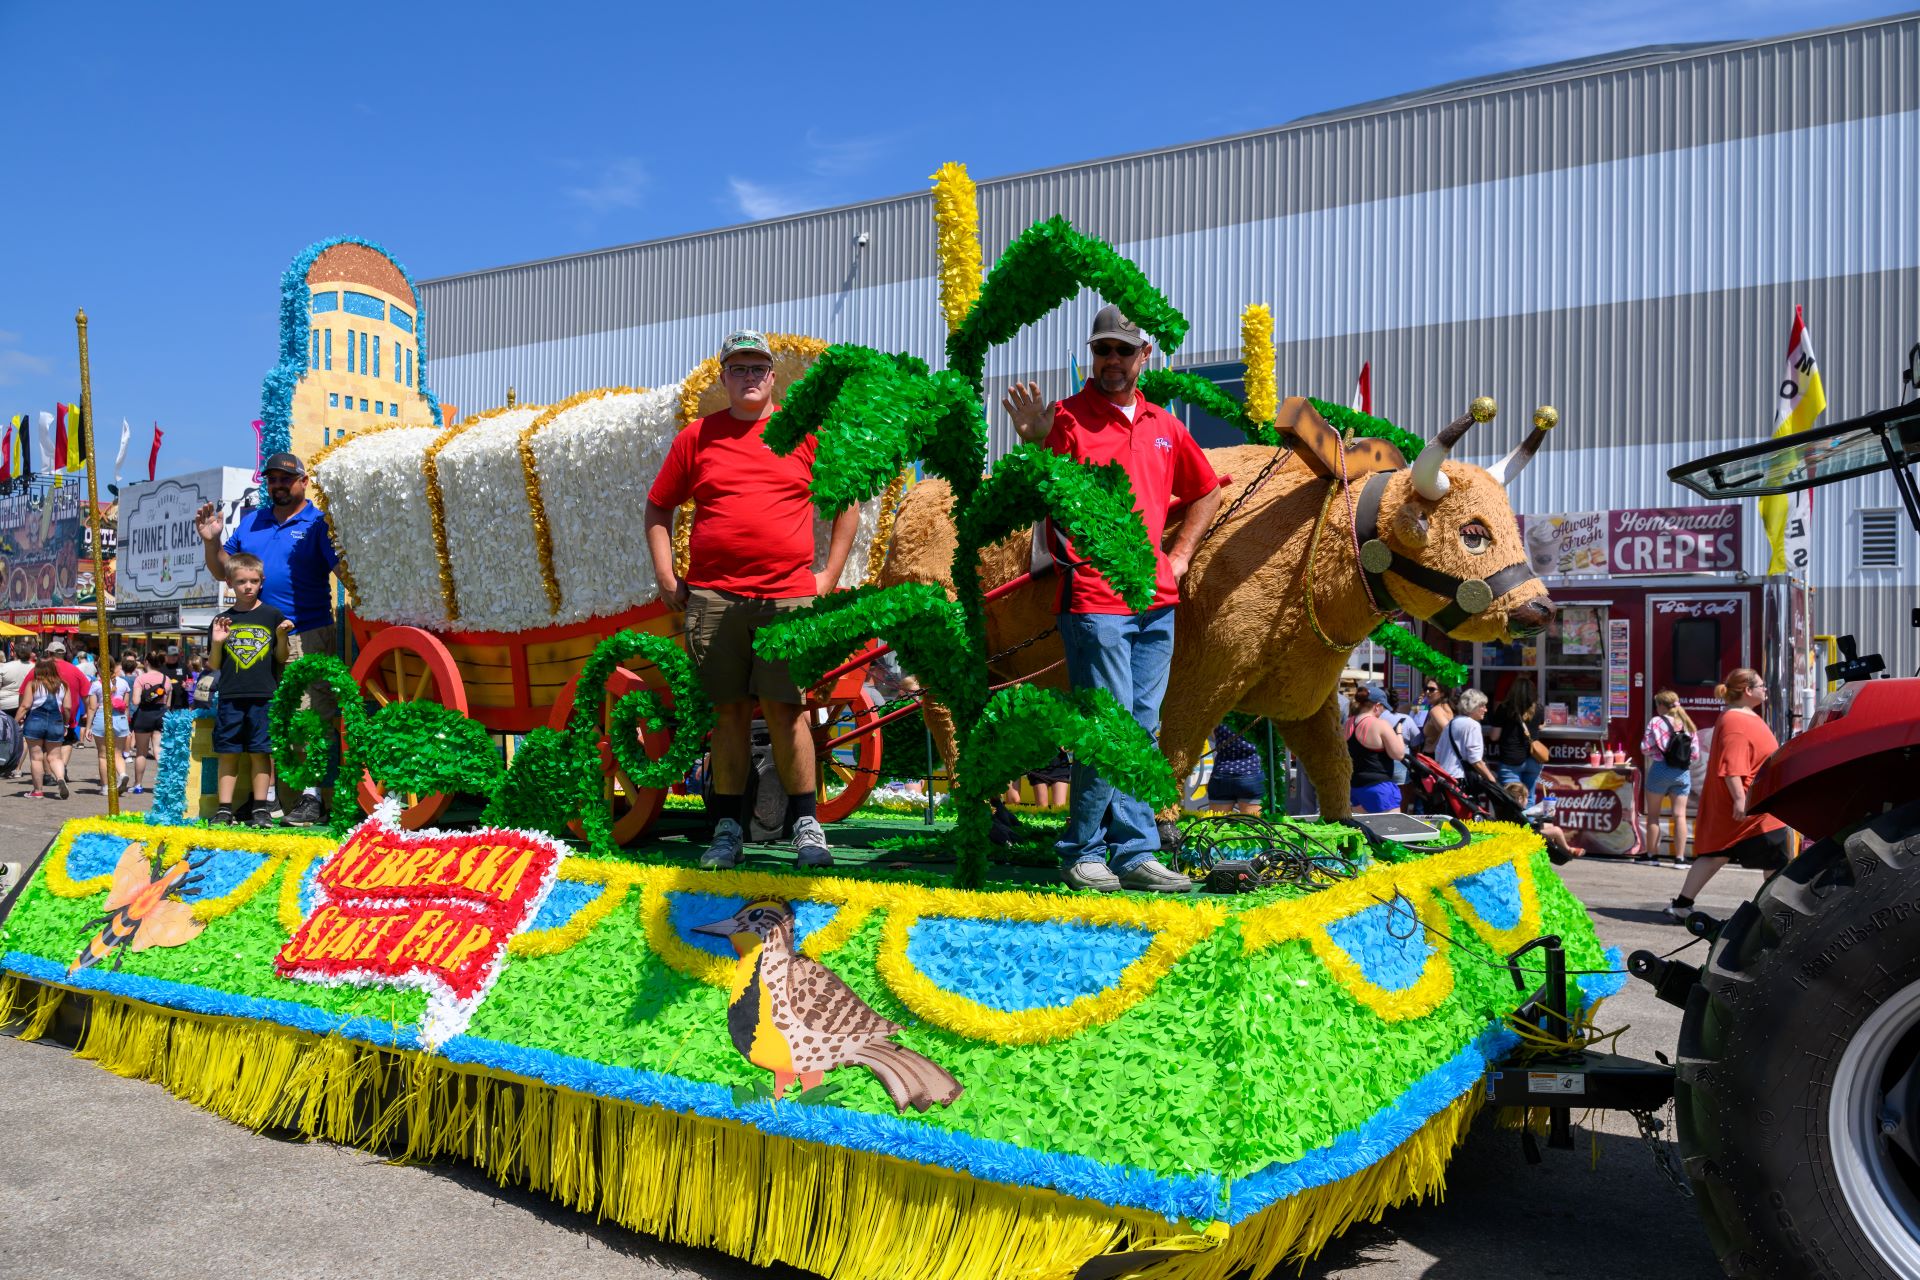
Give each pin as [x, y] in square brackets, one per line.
[1429, 481]
[1545, 418]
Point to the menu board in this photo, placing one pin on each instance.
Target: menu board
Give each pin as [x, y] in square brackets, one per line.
[1619, 670]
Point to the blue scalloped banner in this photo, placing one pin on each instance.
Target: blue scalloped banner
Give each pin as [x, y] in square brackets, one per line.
[1037, 964]
[1386, 941]
[567, 899]
[1494, 894]
[218, 872]
[95, 853]
[685, 909]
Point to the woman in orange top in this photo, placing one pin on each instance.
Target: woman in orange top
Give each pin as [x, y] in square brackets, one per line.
[1728, 833]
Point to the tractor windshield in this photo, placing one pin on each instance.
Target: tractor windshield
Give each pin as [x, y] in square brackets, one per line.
[1882, 441]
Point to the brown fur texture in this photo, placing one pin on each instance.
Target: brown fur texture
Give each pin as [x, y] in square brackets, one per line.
[1242, 641]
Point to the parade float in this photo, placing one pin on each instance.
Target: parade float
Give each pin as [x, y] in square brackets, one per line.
[951, 1067]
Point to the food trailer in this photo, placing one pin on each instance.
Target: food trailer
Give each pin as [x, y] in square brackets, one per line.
[1645, 599]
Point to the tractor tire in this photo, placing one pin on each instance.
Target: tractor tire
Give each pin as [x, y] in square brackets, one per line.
[1797, 1091]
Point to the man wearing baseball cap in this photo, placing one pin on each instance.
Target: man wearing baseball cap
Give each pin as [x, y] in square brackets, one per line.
[295, 547]
[750, 559]
[1111, 836]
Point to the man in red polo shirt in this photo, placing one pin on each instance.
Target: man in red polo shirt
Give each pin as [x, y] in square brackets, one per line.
[750, 559]
[1111, 839]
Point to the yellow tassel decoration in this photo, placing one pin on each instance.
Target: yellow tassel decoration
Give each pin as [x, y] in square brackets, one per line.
[1256, 352]
[956, 223]
[847, 1215]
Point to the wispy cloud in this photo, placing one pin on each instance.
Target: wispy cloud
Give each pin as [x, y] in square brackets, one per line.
[1523, 33]
[759, 200]
[825, 163]
[620, 184]
[16, 365]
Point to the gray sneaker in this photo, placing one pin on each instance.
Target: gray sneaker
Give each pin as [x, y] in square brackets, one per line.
[1091, 874]
[810, 843]
[725, 851]
[1151, 875]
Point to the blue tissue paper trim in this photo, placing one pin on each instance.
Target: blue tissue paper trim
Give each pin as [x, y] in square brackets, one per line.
[1494, 894]
[1387, 942]
[1034, 964]
[95, 853]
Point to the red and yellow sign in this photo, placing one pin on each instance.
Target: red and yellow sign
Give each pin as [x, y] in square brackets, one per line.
[427, 909]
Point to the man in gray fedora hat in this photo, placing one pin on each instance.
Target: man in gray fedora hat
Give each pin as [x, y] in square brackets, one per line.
[1111, 837]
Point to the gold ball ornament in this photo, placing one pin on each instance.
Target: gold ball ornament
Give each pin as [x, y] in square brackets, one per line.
[1546, 417]
[1483, 408]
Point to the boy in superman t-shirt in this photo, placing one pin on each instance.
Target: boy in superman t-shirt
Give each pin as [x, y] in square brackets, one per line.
[249, 648]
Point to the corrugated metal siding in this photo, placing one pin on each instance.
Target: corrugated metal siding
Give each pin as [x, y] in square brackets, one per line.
[1626, 241]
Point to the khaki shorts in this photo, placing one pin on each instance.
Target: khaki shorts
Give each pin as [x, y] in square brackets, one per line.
[319, 640]
[720, 631]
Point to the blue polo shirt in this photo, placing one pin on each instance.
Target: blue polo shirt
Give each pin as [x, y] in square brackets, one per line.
[297, 560]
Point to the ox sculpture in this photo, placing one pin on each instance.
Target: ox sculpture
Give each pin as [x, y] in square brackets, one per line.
[1337, 536]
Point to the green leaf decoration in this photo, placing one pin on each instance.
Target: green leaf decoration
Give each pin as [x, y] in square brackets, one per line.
[1046, 265]
[916, 619]
[873, 414]
[301, 738]
[1409, 648]
[1162, 386]
[423, 748]
[1022, 725]
[691, 718]
[1093, 504]
[546, 787]
[1344, 420]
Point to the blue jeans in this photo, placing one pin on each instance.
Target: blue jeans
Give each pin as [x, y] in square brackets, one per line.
[1129, 655]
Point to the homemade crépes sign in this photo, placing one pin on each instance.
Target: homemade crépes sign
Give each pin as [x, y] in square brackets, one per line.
[427, 909]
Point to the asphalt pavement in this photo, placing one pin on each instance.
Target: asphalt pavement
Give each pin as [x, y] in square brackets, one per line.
[106, 1176]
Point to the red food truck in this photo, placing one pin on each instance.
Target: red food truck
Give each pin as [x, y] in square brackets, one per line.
[1646, 599]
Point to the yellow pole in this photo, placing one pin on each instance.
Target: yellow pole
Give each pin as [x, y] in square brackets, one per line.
[100, 659]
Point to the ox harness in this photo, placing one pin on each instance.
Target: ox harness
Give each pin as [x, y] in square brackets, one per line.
[1466, 597]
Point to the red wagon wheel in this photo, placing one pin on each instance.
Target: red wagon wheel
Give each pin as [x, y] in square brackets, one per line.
[846, 770]
[634, 808]
[406, 664]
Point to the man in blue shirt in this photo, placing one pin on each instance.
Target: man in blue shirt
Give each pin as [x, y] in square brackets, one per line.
[296, 549]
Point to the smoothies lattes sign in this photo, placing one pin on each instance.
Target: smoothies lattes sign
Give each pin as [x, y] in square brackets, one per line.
[1635, 542]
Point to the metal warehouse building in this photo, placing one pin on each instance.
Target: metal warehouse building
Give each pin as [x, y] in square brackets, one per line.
[1625, 237]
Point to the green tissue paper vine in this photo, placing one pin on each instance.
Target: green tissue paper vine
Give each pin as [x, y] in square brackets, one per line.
[872, 414]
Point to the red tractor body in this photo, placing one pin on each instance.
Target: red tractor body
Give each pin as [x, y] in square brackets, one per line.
[1860, 758]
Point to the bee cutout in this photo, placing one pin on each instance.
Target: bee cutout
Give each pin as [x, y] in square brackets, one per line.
[143, 911]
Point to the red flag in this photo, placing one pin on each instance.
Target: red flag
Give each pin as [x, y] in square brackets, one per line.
[60, 416]
[153, 455]
[1363, 389]
[6, 453]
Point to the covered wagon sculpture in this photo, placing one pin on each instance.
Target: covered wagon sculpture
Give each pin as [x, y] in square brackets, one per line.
[485, 561]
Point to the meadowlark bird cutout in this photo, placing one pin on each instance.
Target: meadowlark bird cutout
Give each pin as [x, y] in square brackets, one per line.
[793, 1016]
[141, 911]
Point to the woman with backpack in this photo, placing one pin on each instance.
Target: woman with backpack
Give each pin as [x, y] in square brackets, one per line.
[1668, 747]
[152, 691]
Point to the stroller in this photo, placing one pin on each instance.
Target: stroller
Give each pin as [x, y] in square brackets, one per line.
[1432, 790]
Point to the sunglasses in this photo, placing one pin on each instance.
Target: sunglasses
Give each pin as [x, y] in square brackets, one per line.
[1112, 350]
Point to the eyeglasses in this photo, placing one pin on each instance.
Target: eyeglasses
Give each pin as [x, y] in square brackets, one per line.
[749, 372]
[1113, 350]
[1432, 688]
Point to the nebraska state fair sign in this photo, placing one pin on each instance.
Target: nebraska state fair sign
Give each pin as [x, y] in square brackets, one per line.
[432, 910]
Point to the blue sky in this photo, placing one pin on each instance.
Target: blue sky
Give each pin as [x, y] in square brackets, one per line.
[184, 154]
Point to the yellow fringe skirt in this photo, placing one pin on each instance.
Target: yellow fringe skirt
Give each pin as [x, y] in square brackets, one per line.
[848, 1215]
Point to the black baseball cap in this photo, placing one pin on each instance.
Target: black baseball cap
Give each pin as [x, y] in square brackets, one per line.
[287, 462]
